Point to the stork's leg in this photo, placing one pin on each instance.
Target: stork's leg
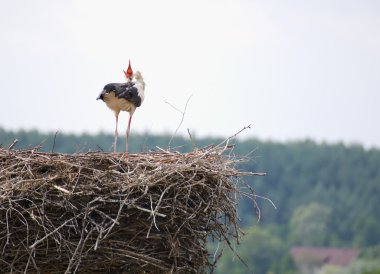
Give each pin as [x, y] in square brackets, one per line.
[128, 129]
[116, 133]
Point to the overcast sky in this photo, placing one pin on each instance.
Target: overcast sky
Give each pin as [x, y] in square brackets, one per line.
[293, 69]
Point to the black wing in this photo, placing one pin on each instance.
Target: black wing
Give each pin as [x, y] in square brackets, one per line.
[113, 87]
[130, 93]
[125, 90]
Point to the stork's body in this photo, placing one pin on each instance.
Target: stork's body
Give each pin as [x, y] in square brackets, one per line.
[124, 97]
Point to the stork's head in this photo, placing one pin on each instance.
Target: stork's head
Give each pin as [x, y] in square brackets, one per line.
[129, 73]
[139, 78]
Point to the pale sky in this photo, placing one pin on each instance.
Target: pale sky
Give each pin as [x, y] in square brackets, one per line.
[293, 69]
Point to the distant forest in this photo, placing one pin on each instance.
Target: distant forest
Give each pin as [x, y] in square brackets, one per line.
[325, 194]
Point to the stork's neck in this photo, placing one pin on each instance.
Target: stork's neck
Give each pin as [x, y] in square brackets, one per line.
[139, 79]
[142, 82]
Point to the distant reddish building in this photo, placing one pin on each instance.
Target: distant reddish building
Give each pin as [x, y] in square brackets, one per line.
[312, 259]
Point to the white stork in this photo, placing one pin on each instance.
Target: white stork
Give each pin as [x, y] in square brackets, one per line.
[124, 96]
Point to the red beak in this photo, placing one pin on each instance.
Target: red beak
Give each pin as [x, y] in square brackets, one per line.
[129, 71]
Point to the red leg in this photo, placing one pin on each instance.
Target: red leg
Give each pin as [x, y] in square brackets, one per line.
[116, 133]
[128, 129]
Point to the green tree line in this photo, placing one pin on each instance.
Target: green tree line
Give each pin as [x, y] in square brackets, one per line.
[325, 194]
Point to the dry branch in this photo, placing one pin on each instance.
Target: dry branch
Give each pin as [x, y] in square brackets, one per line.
[104, 213]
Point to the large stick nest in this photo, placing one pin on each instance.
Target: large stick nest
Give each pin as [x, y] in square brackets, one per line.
[113, 213]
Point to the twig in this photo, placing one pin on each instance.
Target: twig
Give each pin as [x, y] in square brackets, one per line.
[191, 139]
[182, 118]
[147, 210]
[226, 141]
[55, 136]
[15, 141]
[100, 148]
[52, 232]
[62, 189]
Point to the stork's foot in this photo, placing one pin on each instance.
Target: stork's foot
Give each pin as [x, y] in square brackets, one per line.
[125, 154]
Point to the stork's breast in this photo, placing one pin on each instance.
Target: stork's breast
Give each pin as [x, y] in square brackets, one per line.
[118, 104]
